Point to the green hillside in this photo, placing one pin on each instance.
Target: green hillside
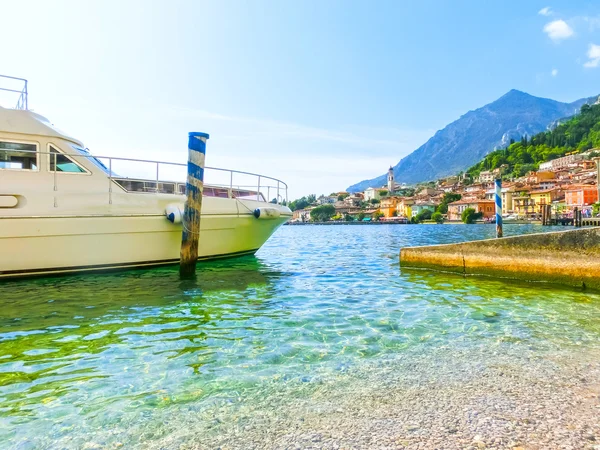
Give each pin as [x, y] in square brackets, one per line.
[578, 134]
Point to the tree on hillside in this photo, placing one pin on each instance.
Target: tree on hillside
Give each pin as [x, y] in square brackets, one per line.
[449, 197]
[322, 213]
[300, 203]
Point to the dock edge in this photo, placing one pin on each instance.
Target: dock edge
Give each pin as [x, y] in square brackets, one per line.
[564, 257]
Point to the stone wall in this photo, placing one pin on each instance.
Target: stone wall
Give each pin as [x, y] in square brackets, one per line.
[565, 257]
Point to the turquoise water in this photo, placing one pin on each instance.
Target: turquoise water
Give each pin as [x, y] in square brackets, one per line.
[131, 358]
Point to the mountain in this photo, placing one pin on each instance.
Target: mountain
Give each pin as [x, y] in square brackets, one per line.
[577, 134]
[467, 140]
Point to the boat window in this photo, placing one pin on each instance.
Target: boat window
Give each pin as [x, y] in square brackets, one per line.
[85, 152]
[131, 185]
[63, 163]
[18, 156]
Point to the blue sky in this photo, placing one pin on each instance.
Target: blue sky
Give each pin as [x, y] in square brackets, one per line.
[321, 94]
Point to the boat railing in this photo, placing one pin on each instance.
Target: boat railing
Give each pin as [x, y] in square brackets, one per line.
[165, 177]
[22, 102]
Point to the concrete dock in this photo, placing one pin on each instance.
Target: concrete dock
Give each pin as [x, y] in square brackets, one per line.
[565, 257]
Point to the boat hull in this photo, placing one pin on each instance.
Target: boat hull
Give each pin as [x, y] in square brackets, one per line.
[37, 246]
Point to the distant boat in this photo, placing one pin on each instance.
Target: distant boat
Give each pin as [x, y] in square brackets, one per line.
[64, 210]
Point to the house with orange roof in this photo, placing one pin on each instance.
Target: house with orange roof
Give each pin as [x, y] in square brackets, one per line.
[486, 207]
[388, 206]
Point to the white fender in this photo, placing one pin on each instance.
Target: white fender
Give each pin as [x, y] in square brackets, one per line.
[266, 213]
[173, 213]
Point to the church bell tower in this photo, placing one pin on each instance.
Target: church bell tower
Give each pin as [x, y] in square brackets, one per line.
[390, 179]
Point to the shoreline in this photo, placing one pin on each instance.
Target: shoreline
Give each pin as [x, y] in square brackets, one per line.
[568, 257]
[448, 222]
[472, 399]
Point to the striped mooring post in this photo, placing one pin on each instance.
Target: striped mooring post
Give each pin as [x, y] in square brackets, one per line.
[498, 207]
[194, 187]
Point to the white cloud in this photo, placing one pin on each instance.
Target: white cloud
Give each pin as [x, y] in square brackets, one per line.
[593, 55]
[554, 72]
[558, 30]
[545, 11]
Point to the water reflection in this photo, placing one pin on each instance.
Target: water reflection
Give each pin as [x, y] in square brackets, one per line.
[74, 336]
[535, 314]
[50, 301]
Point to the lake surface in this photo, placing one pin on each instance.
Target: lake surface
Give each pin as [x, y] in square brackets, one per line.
[141, 358]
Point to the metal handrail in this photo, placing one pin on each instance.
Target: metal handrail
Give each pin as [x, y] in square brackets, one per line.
[22, 102]
[281, 185]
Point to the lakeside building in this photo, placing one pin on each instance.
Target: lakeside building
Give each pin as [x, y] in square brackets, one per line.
[587, 164]
[581, 196]
[486, 176]
[419, 207]
[326, 200]
[486, 207]
[583, 176]
[523, 205]
[449, 188]
[544, 197]
[373, 193]
[388, 206]
[353, 200]
[302, 215]
[475, 188]
[489, 176]
[539, 177]
[547, 184]
[404, 207]
[560, 163]
[507, 197]
[428, 192]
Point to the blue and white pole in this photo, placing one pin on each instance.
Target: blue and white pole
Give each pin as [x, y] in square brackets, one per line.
[194, 188]
[498, 207]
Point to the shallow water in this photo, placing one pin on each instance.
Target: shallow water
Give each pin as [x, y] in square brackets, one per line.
[126, 359]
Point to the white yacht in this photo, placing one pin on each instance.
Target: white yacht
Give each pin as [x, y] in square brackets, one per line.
[64, 210]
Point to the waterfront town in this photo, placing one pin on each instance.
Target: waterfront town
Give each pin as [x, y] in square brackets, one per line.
[566, 183]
